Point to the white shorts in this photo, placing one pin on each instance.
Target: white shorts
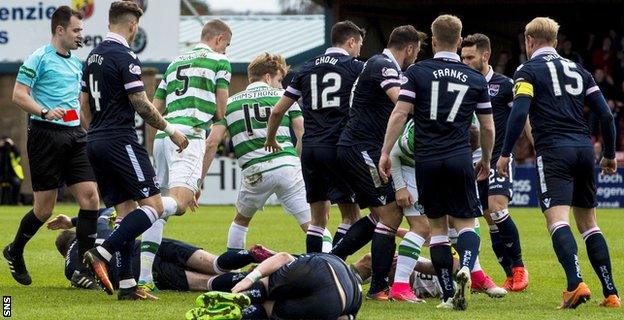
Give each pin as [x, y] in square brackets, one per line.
[287, 184]
[409, 176]
[175, 169]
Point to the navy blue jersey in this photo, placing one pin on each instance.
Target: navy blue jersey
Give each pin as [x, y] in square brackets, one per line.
[501, 96]
[111, 72]
[370, 105]
[324, 85]
[445, 94]
[558, 88]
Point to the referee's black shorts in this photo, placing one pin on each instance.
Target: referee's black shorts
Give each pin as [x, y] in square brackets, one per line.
[57, 155]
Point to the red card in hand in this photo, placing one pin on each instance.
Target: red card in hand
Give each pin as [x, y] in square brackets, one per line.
[70, 115]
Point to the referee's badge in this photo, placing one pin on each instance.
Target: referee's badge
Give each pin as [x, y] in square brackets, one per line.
[493, 89]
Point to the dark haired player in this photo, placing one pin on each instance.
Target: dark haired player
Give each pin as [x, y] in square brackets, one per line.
[112, 91]
[47, 87]
[443, 95]
[324, 85]
[496, 192]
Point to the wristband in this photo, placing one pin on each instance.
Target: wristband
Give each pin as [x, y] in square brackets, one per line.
[254, 276]
[169, 129]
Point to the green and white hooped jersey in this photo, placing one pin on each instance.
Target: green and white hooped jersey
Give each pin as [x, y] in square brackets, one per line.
[189, 89]
[406, 145]
[247, 119]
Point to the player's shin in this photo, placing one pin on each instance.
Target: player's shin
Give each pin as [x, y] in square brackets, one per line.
[598, 253]
[232, 260]
[134, 224]
[29, 225]
[314, 239]
[442, 259]
[257, 293]
[340, 232]
[225, 282]
[567, 252]
[125, 269]
[255, 311]
[468, 242]
[150, 242]
[237, 236]
[509, 236]
[409, 251]
[383, 251]
[86, 230]
[499, 250]
[358, 236]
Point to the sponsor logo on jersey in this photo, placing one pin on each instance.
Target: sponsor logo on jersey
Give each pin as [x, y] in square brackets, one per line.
[134, 69]
[389, 72]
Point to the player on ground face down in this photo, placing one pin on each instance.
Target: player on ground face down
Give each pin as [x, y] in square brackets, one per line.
[310, 286]
[47, 87]
[112, 91]
[324, 85]
[373, 98]
[177, 266]
[443, 94]
[264, 172]
[553, 91]
[497, 190]
[193, 91]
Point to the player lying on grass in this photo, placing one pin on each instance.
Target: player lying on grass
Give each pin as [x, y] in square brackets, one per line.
[311, 286]
[177, 265]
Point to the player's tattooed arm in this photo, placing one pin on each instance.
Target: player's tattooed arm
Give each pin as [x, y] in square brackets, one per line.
[146, 110]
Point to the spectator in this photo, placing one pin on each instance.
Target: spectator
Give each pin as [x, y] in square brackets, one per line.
[11, 172]
[568, 53]
[502, 64]
[605, 83]
[604, 57]
[597, 152]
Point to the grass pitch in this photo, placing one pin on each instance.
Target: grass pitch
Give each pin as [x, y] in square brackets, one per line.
[51, 297]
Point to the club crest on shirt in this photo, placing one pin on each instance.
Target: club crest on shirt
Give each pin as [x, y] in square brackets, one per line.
[493, 89]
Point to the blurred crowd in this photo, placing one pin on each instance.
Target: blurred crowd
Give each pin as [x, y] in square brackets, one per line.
[602, 53]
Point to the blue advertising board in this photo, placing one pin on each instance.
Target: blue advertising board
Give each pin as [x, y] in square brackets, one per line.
[609, 188]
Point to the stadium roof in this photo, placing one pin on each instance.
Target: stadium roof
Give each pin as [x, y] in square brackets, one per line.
[296, 37]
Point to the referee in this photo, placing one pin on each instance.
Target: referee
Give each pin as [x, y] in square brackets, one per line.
[47, 87]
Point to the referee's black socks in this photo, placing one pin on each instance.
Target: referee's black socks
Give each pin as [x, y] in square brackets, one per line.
[27, 229]
[86, 230]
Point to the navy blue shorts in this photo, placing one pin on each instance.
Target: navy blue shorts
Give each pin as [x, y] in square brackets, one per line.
[566, 177]
[321, 174]
[307, 289]
[122, 169]
[360, 170]
[448, 187]
[170, 264]
[497, 185]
